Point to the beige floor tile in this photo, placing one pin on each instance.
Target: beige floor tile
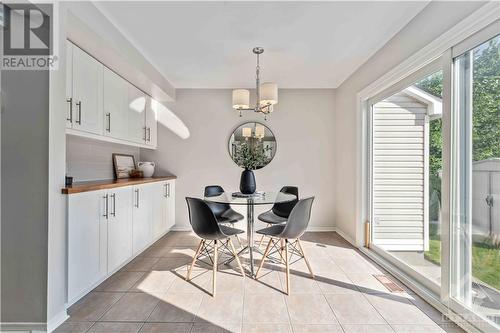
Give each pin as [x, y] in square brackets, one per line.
[77, 327]
[176, 308]
[115, 328]
[367, 329]
[268, 309]
[200, 282]
[166, 328]
[451, 328]
[300, 283]
[132, 307]
[120, 281]
[223, 308]
[140, 264]
[309, 309]
[398, 310]
[430, 311]
[266, 328]
[154, 282]
[354, 309]
[268, 282]
[93, 306]
[309, 328]
[367, 283]
[335, 283]
[174, 264]
[212, 328]
[418, 328]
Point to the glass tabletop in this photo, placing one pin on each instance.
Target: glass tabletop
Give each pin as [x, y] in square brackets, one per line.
[265, 199]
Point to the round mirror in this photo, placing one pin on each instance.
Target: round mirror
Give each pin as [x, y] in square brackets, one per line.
[252, 146]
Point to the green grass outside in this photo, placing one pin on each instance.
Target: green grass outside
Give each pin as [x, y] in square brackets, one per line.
[485, 260]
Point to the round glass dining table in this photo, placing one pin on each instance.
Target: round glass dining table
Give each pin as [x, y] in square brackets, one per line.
[265, 198]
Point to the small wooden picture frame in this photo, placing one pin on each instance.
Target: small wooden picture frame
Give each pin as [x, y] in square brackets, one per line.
[123, 164]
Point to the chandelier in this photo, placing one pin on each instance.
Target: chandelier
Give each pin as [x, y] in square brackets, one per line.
[267, 93]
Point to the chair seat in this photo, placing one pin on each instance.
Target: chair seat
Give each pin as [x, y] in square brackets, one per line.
[275, 230]
[228, 231]
[229, 216]
[271, 218]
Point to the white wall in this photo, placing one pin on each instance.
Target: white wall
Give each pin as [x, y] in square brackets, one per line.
[304, 128]
[435, 19]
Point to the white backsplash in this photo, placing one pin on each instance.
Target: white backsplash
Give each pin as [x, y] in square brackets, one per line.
[88, 159]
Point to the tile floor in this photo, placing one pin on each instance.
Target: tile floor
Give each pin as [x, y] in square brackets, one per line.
[150, 294]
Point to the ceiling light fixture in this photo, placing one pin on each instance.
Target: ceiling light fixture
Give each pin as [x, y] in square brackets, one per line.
[267, 93]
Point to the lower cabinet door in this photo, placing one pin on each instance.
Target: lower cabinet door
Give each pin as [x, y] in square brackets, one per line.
[142, 216]
[119, 227]
[159, 207]
[170, 208]
[87, 242]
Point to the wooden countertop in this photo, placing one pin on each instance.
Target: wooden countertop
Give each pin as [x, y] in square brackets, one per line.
[96, 185]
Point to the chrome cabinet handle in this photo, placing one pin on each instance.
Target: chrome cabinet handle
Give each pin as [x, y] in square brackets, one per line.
[108, 115]
[149, 134]
[106, 206]
[79, 120]
[166, 193]
[70, 101]
[145, 133]
[168, 190]
[137, 198]
[114, 204]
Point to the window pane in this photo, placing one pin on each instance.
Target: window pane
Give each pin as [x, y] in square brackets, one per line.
[476, 224]
[406, 173]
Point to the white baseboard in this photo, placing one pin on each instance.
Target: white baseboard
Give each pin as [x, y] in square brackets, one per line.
[346, 237]
[56, 321]
[181, 228]
[320, 229]
[23, 327]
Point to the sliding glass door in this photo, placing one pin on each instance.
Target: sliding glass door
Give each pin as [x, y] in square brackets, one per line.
[434, 178]
[475, 241]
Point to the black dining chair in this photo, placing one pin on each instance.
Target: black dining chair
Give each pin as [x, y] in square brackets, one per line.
[223, 212]
[280, 211]
[293, 229]
[214, 236]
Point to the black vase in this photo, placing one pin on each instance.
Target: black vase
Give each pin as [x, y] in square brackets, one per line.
[247, 182]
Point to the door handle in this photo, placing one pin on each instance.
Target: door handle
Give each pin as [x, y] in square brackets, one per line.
[108, 115]
[79, 120]
[137, 198]
[70, 101]
[114, 204]
[105, 206]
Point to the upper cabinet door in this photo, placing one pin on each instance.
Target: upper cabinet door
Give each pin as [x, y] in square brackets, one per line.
[87, 92]
[151, 122]
[69, 84]
[115, 101]
[136, 115]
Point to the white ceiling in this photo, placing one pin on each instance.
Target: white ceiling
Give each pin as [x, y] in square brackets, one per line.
[307, 44]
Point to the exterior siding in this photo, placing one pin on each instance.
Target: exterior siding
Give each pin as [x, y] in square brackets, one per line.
[399, 173]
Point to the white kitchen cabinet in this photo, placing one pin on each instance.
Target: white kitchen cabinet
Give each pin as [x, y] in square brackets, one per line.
[115, 105]
[137, 131]
[87, 239]
[170, 210]
[142, 216]
[119, 221]
[69, 85]
[151, 122]
[87, 88]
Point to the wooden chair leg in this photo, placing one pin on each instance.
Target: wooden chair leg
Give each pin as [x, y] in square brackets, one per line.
[287, 264]
[305, 258]
[239, 240]
[198, 250]
[264, 256]
[261, 240]
[282, 248]
[236, 256]
[214, 269]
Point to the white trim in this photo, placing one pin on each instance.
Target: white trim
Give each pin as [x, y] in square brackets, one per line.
[23, 327]
[346, 237]
[56, 321]
[321, 229]
[181, 228]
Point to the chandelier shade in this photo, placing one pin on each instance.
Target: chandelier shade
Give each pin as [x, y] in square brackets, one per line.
[241, 99]
[268, 93]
